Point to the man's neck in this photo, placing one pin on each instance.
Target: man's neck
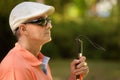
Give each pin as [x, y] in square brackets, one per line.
[32, 47]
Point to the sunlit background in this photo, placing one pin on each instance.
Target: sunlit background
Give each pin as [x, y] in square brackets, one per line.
[98, 20]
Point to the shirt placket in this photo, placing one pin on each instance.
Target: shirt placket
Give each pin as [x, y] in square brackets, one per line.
[44, 64]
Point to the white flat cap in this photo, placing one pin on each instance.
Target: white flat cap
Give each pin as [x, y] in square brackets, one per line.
[26, 10]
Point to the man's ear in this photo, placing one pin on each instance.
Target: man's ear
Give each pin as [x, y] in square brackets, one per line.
[22, 28]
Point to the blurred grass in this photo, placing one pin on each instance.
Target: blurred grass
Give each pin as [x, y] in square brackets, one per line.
[99, 69]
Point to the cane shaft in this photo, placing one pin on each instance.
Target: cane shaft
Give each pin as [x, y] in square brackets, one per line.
[79, 47]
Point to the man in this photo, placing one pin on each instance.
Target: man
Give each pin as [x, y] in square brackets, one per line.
[29, 22]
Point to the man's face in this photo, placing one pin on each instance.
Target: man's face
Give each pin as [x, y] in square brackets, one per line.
[39, 33]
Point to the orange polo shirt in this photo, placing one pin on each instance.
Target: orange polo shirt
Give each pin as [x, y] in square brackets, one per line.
[20, 64]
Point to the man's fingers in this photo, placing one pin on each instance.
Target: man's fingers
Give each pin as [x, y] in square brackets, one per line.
[82, 59]
[82, 64]
[83, 70]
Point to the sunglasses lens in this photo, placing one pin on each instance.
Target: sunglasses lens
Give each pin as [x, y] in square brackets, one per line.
[41, 21]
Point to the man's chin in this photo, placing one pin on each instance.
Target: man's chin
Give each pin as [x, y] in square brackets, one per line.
[48, 40]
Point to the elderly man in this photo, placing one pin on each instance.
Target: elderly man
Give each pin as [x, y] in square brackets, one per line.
[29, 22]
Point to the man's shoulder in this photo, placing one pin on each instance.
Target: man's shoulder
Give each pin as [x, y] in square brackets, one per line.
[12, 60]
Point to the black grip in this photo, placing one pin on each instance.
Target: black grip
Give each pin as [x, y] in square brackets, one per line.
[77, 76]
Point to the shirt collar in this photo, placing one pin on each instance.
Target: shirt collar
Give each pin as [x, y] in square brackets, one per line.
[43, 58]
[29, 57]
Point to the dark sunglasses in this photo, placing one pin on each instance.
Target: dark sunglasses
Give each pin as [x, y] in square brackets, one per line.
[41, 21]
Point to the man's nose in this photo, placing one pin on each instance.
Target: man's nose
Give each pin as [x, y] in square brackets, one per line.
[49, 26]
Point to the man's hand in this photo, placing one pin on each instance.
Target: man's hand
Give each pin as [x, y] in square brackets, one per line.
[81, 68]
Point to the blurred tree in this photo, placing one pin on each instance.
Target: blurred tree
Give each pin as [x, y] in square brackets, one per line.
[59, 4]
[113, 40]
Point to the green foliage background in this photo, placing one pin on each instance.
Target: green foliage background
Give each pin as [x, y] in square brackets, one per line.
[70, 20]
